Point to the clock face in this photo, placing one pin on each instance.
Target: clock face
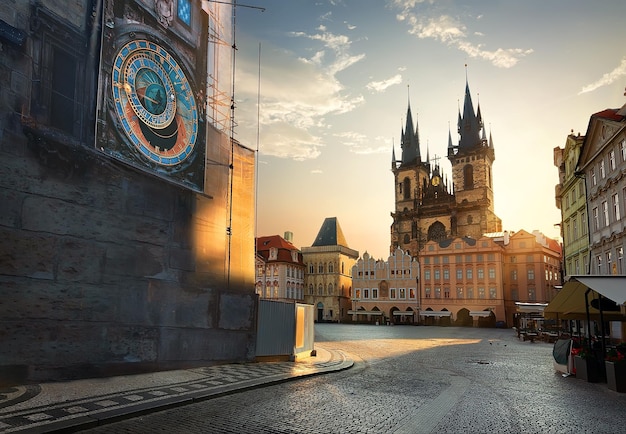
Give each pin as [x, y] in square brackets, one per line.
[154, 102]
[436, 180]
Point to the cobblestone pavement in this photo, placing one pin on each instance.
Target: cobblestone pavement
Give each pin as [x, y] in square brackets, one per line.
[410, 380]
[88, 403]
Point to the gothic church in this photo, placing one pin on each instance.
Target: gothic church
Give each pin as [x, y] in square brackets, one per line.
[431, 207]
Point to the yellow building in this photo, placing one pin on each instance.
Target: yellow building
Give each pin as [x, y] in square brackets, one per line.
[328, 279]
[385, 291]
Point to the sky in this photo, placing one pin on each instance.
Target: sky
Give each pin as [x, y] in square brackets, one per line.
[322, 86]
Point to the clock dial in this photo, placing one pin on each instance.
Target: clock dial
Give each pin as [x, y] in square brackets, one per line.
[436, 180]
[154, 103]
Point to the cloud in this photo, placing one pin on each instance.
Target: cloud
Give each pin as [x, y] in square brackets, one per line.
[298, 94]
[317, 171]
[362, 145]
[607, 79]
[381, 86]
[452, 32]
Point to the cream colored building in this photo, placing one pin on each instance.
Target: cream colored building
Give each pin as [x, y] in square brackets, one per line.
[328, 278]
[571, 199]
[385, 291]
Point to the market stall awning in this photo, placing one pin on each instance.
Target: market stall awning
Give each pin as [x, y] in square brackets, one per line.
[400, 313]
[480, 313]
[436, 314]
[530, 307]
[365, 312]
[569, 303]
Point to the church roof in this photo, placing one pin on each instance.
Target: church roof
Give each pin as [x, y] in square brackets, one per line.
[330, 234]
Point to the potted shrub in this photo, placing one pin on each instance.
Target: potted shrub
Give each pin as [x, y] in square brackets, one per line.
[615, 364]
[586, 365]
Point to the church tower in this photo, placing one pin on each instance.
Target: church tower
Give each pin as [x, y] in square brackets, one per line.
[427, 206]
[472, 160]
[409, 174]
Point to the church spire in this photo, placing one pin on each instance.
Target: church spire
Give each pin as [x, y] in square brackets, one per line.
[470, 124]
[410, 143]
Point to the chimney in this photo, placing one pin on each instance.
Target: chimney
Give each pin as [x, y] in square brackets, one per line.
[288, 236]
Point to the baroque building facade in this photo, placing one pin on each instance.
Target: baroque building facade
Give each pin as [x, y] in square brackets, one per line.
[602, 162]
[328, 278]
[279, 269]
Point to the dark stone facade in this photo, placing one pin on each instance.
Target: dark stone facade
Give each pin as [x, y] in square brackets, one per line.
[104, 268]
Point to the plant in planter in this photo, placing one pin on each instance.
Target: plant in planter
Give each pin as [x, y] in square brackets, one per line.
[615, 364]
[586, 365]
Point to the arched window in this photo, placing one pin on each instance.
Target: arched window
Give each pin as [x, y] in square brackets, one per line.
[406, 188]
[311, 289]
[320, 268]
[437, 232]
[331, 267]
[468, 177]
[330, 289]
[320, 289]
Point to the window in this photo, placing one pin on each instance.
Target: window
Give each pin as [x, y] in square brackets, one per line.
[492, 273]
[374, 293]
[575, 227]
[596, 220]
[612, 160]
[531, 274]
[446, 292]
[609, 263]
[531, 294]
[594, 181]
[599, 263]
[311, 269]
[602, 172]
[514, 275]
[437, 292]
[366, 293]
[331, 267]
[468, 274]
[320, 268]
[437, 274]
[459, 274]
[481, 292]
[468, 177]
[426, 274]
[59, 88]
[514, 294]
[412, 293]
[459, 293]
[616, 214]
[605, 212]
[393, 293]
[427, 292]
[402, 293]
[620, 258]
[480, 273]
[492, 293]
[406, 188]
[184, 11]
[446, 274]
[622, 149]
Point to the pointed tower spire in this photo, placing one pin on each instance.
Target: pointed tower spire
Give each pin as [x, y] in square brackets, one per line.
[470, 124]
[393, 155]
[410, 141]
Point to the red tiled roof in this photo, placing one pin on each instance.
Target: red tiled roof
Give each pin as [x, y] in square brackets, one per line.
[609, 114]
[285, 249]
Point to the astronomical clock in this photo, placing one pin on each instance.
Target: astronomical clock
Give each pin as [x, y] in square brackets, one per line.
[152, 83]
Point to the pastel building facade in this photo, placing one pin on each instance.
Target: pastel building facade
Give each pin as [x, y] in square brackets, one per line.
[279, 269]
[385, 291]
[571, 199]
